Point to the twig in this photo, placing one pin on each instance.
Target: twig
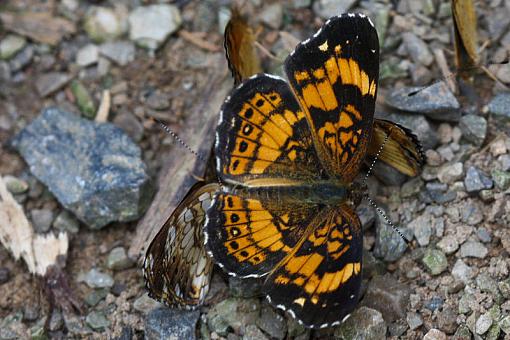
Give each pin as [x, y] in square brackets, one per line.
[195, 39]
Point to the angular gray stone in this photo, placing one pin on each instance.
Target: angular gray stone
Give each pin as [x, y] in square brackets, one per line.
[476, 180]
[96, 279]
[165, 323]
[448, 244]
[364, 323]
[414, 320]
[461, 271]
[118, 259]
[149, 26]
[245, 287]
[501, 179]
[473, 249]
[144, 304]
[450, 173]
[389, 245]
[434, 334]
[97, 321]
[252, 332]
[49, 83]
[93, 169]
[483, 323]
[418, 50]
[474, 128]
[120, 52]
[235, 313]
[65, 221]
[388, 296]
[42, 219]
[499, 108]
[10, 45]
[419, 125]
[87, 55]
[435, 101]
[272, 323]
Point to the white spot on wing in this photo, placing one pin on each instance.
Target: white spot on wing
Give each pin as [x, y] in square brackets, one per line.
[346, 317]
[370, 21]
[351, 15]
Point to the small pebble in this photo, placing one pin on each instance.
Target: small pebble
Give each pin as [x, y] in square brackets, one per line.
[97, 321]
[66, 221]
[96, 279]
[483, 323]
[434, 334]
[5, 275]
[118, 259]
[42, 219]
[15, 185]
[473, 249]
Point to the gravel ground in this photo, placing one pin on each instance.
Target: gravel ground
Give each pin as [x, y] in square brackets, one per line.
[452, 281]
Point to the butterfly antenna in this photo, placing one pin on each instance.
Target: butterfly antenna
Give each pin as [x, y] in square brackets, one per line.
[371, 201]
[453, 74]
[183, 143]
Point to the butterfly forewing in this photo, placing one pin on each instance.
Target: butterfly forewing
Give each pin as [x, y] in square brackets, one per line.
[334, 75]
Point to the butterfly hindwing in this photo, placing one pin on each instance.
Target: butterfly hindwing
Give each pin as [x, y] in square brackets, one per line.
[401, 149]
[319, 282]
[263, 133]
[248, 233]
[334, 75]
[177, 269]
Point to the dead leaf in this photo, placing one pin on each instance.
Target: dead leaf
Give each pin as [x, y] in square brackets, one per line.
[41, 27]
[38, 251]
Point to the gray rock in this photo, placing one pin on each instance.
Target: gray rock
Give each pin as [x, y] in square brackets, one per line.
[41, 219]
[450, 173]
[505, 324]
[326, 8]
[10, 45]
[252, 332]
[388, 175]
[5, 71]
[22, 59]
[165, 323]
[435, 101]
[15, 185]
[389, 245]
[104, 24]
[388, 296]
[235, 313]
[484, 235]
[120, 52]
[499, 108]
[97, 321]
[411, 187]
[96, 279]
[245, 288]
[483, 323]
[434, 303]
[272, 15]
[476, 180]
[118, 259]
[474, 128]
[473, 249]
[418, 50]
[272, 323]
[487, 284]
[447, 320]
[448, 244]
[65, 221]
[56, 321]
[435, 261]
[366, 214]
[158, 101]
[93, 169]
[49, 83]
[419, 125]
[87, 55]
[462, 333]
[364, 323]
[501, 179]
[471, 212]
[504, 288]
[414, 320]
[422, 228]
[95, 296]
[150, 26]
[144, 304]
[434, 334]
[461, 271]
[505, 162]
[130, 124]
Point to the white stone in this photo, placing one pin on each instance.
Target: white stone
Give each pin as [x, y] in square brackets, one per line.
[150, 26]
[87, 55]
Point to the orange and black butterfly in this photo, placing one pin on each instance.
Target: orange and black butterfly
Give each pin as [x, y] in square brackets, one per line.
[287, 155]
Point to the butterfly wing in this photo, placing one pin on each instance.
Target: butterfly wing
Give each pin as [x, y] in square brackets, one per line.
[176, 268]
[262, 133]
[319, 283]
[239, 43]
[402, 149]
[249, 233]
[334, 75]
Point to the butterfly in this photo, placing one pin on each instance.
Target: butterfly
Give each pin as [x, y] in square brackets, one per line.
[287, 157]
